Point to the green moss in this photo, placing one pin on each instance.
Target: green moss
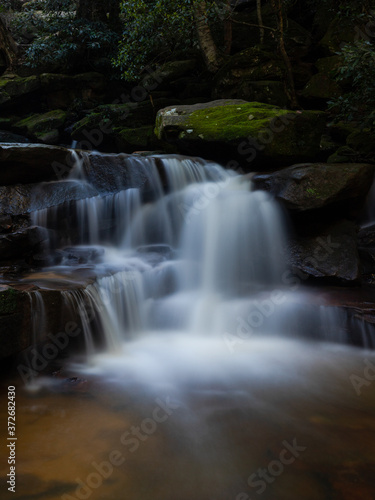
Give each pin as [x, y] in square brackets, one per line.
[15, 86]
[137, 137]
[42, 124]
[232, 121]
[8, 301]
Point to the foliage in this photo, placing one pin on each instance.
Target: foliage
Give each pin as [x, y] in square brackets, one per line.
[154, 30]
[60, 38]
[358, 74]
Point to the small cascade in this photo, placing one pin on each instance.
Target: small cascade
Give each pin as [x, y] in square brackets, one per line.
[39, 324]
[190, 249]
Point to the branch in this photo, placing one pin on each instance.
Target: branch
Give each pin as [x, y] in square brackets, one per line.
[254, 25]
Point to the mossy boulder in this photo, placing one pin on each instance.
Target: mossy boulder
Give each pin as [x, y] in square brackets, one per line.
[254, 133]
[313, 186]
[15, 86]
[137, 139]
[124, 126]
[43, 127]
[343, 154]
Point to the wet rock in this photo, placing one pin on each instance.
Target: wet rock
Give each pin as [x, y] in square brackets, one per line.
[31, 163]
[254, 133]
[22, 243]
[24, 199]
[312, 186]
[14, 334]
[332, 254]
[10, 138]
[366, 248]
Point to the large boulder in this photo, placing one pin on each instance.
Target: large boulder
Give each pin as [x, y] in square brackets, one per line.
[30, 163]
[127, 127]
[313, 186]
[331, 254]
[15, 86]
[44, 128]
[256, 134]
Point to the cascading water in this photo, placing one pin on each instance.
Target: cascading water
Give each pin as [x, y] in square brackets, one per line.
[202, 255]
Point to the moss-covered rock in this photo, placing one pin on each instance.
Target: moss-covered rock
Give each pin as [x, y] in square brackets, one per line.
[16, 86]
[344, 154]
[44, 127]
[135, 139]
[111, 123]
[250, 131]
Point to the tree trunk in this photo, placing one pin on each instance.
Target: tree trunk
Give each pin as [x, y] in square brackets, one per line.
[228, 31]
[206, 41]
[290, 88]
[8, 46]
[260, 20]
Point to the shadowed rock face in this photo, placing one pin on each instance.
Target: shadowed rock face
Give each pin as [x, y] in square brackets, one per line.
[332, 254]
[313, 186]
[30, 163]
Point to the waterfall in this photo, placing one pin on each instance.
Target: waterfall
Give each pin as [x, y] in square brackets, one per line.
[191, 250]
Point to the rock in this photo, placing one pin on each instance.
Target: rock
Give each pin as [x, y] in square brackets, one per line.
[340, 31]
[321, 86]
[62, 90]
[134, 139]
[235, 80]
[14, 312]
[168, 73]
[10, 138]
[343, 154]
[255, 133]
[362, 141]
[22, 243]
[15, 86]
[312, 186]
[126, 126]
[366, 248]
[332, 254]
[43, 127]
[31, 163]
[26, 198]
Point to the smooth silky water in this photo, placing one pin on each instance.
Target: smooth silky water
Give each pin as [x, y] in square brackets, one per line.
[203, 368]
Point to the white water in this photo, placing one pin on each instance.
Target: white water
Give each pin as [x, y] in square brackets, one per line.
[201, 258]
